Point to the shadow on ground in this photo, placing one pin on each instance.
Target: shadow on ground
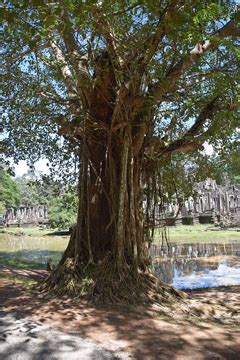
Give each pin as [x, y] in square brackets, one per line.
[59, 233]
[142, 333]
[30, 274]
[24, 339]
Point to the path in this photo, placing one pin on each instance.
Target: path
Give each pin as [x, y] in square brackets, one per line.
[24, 339]
[107, 333]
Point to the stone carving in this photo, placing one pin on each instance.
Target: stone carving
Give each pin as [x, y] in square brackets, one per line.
[31, 215]
[211, 203]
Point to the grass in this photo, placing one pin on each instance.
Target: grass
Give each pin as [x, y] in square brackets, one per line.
[19, 262]
[31, 231]
[180, 233]
[29, 259]
[197, 233]
[18, 280]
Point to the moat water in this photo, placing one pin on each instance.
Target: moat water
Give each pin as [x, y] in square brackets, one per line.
[184, 265]
[194, 266]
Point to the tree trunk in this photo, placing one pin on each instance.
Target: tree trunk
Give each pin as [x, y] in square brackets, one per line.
[106, 258]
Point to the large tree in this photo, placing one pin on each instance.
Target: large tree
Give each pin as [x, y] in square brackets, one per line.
[130, 84]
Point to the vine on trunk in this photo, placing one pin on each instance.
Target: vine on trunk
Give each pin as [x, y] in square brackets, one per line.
[107, 256]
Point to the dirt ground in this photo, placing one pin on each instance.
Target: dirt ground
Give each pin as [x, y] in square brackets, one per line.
[209, 330]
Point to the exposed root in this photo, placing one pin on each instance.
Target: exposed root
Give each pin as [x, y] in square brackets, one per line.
[101, 283]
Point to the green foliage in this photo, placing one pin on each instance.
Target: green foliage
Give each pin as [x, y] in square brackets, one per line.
[36, 96]
[28, 191]
[63, 211]
[37, 190]
[233, 166]
[2, 208]
[228, 165]
[9, 193]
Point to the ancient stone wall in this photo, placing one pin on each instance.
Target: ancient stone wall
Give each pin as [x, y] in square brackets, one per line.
[31, 215]
[211, 203]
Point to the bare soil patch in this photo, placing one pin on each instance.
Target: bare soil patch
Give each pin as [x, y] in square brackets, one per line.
[211, 331]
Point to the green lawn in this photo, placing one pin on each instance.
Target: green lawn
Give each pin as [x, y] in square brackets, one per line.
[31, 231]
[197, 233]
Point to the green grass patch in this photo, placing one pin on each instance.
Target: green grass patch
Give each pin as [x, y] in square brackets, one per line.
[29, 259]
[18, 280]
[30, 231]
[31, 252]
[10, 260]
[199, 233]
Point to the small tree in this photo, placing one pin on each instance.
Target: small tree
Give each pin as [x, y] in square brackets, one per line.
[132, 83]
[62, 211]
[9, 193]
[37, 189]
[28, 189]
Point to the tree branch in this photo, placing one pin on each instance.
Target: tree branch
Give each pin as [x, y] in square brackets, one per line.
[78, 60]
[73, 107]
[168, 83]
[62, 63]
[182, 146]
[153, 41]
[206, 113]
[102, 24]
[190, 141]
[120, 12]
[28, 52]
[54, 97]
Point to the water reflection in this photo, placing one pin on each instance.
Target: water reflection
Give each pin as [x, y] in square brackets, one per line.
[185, 266]
[29, 252]
[190, 266]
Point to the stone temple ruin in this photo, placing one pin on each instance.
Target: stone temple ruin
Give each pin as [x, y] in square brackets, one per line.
[212, 203]
[216, 204]
[30, 215]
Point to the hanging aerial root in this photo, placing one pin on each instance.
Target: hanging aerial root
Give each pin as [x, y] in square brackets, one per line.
[101, 283]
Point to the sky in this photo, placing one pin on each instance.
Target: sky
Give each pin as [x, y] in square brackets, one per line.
[208, 148]
[40, 166]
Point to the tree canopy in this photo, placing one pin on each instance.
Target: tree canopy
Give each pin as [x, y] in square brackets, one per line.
[63, 211]
[178, 60]
[130, 89]
[35, 188]
[9, 193]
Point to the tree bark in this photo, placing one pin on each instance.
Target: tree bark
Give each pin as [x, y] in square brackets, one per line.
[106, 258]
[109, 204]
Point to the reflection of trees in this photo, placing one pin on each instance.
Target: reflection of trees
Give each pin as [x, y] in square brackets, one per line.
[165, 270]
[184, 259]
